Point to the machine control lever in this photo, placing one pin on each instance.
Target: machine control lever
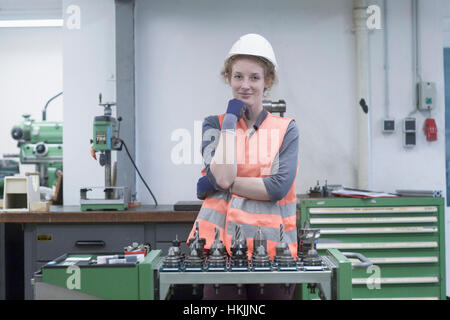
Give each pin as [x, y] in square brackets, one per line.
[365, 262]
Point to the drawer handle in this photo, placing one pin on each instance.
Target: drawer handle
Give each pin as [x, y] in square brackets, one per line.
[90, 243]
[365, 263]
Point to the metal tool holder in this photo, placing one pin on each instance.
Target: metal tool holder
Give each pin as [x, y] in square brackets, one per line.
[275, 106]
[325, 280]
[218, 269]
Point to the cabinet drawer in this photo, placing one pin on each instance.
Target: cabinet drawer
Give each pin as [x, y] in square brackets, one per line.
[56, 239]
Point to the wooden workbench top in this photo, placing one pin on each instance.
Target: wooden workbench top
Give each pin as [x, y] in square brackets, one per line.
[71, 214]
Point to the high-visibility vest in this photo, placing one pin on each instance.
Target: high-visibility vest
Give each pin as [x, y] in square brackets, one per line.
[255, 157]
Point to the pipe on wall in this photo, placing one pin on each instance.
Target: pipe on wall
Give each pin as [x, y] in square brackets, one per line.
[415, 51]
[362, 91]
[387, 66]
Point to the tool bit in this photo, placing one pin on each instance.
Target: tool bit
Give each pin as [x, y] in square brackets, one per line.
[173, 258]
[307, 246]
[195, 259]
[217, 259]
[217, 244]
[239, 249]
[197, 242]
[259, 239]
[281, 232]
[283, 254]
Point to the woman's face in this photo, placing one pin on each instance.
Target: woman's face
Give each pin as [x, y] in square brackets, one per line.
[247, 81]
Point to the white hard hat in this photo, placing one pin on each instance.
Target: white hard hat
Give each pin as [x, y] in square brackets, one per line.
[254, 45]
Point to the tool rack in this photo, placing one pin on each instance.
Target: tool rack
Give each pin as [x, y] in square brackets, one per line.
[332, 278]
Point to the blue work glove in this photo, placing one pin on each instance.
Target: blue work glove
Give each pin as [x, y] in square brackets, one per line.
[238, 108]
[235, 111]
[204, 188]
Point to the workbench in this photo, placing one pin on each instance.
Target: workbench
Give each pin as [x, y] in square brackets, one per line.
[67, 229]
[399, 252]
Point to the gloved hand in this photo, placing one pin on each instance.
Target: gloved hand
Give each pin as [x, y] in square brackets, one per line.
[238, 108]
[204, 188]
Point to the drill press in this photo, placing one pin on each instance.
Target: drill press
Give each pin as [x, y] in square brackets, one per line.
[106, 139]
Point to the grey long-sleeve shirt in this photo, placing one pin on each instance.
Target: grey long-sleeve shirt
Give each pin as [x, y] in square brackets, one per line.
[278, 183]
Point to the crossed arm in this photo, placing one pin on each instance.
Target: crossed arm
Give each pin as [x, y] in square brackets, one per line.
[222, 168]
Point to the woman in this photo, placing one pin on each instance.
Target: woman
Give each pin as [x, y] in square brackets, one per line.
[251, 165]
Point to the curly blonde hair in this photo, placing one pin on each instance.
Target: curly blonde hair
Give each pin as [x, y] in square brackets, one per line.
[270, 75]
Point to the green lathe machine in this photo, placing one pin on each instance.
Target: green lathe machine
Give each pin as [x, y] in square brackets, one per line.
[40, 143]
[105, 139]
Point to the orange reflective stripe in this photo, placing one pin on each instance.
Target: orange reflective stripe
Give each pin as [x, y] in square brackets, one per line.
[290, 223]
[271, 248]
[227, 240]
[217, 204]
[259, 219]
[293, 247]
[289, 198]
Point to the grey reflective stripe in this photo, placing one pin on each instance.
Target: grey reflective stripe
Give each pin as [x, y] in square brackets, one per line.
[272, 234]
[291, 236]
[212, 216]
[225, 195]
[264, 207]
[288, 210]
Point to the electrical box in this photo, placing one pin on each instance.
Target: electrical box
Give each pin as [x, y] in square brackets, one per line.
[409, 132]
[427, 95]
[388, 125]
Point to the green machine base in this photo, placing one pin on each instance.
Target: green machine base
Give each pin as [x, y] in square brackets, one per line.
[103, 198]
[103, 207]
[76, 278]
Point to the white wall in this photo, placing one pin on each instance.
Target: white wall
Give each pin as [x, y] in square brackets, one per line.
[180, 48]
[422, 167]
[445, 9]
[30, 74]
[89, 68]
